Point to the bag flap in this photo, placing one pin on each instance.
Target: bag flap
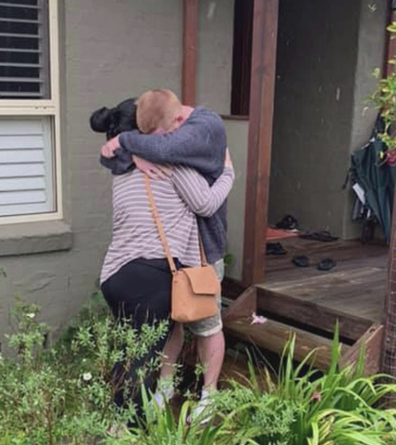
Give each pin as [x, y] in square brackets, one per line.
[203, 280]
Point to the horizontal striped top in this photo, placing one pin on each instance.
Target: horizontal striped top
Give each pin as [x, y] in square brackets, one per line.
[178, 199]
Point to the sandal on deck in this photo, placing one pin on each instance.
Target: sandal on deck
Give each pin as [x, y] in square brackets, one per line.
[288, 223]
[275, 249]
[326, 264]
[301, 261]
[324, 236]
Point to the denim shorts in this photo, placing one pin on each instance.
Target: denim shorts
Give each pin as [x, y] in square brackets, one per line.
[211, 325]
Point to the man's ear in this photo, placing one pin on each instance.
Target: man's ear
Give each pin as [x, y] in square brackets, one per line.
[179, 119]
[159, 130]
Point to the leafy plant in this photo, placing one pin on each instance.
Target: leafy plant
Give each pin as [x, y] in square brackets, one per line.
[384, 98]
[248, 414]
[229, 260]
[163, 427]
[66, 392]
[339, 407]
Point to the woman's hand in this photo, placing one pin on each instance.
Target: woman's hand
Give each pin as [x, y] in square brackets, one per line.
[228, 161]
[110, 147]
[153, 171]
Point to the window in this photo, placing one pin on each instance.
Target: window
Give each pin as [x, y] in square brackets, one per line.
[29, 111]
[242, 57]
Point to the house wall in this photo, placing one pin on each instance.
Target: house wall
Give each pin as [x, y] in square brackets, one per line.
[326, 53]
[237, 134]
[108, 53]
[216, 24]
[371, 49]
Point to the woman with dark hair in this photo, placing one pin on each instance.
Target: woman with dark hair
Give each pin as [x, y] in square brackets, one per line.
[115, 120]
[135, 278]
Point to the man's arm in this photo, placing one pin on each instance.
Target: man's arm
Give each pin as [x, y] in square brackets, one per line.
[199, 143]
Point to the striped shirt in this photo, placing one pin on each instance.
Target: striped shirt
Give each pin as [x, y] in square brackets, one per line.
[178, 199]
[199, 143]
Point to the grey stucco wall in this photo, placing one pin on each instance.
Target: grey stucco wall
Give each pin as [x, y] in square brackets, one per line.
[237, 134]
[216, 24]
[109, 51]
[326, 53]
[371, 49]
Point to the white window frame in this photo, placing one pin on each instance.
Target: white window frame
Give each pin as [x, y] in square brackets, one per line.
[43, 107]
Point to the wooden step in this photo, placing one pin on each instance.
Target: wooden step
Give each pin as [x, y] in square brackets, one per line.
[303, 317]
[273, 336]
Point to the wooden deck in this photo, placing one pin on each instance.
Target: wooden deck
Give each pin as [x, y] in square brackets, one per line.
[309, 303]
[356, 286]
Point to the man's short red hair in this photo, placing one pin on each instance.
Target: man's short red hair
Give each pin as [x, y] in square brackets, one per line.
[157, 109]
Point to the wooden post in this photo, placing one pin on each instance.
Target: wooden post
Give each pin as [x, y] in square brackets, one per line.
[190, 44]
[390, 50]
[262, 86]
[389, 315]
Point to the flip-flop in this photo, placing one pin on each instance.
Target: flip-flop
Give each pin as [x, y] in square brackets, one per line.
[275, 249]
[324, 236]
[301, 261]
[288, 222]
[326, 264]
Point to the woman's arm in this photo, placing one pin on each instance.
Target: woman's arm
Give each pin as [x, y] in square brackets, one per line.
[195, 191]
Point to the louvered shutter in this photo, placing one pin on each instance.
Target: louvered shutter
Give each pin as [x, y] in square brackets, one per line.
[26, 176]
[24, 49]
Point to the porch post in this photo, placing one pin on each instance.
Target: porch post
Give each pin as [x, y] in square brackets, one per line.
[190, 44]
[389, 315]
[265, 31]
[390, 50]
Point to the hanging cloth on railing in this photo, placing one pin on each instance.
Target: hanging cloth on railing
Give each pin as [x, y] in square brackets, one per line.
[373, 183]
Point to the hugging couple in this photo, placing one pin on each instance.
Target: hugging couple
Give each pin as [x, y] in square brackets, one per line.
[183, 150]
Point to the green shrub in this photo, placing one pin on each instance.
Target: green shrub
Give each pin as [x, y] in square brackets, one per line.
[163, 427]
[248, 414]
[384, 98]
[66, 392]
[339, 407]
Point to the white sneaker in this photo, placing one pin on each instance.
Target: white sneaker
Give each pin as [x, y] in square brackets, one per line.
[165, 392]
[118, 431]
[161, 399]
[202, 410]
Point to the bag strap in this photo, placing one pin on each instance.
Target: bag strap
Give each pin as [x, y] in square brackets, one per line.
[159, 225]
[161, 231]
[204, 261]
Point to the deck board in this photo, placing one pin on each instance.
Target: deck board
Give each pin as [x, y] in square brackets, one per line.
[356, 286]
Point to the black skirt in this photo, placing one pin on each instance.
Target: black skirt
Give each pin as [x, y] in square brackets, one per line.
[141, 292]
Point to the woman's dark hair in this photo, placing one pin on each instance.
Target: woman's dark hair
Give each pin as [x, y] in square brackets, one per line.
[115, 120]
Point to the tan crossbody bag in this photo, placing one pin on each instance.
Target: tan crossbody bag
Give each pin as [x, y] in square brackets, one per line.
[193, 288]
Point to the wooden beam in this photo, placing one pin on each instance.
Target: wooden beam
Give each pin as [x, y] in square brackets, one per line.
[311, 314]
[389, 316]
[244, 306]
[371, 344]
[232, 288]
[273, 336]
[190, 44]
[262, 86]
[388, 362]
[390, 48]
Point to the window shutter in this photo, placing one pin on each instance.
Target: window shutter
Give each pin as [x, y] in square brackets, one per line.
[26, 174]
[24, 49]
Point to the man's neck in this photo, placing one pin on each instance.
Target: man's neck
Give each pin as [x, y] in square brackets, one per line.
[186, 111]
